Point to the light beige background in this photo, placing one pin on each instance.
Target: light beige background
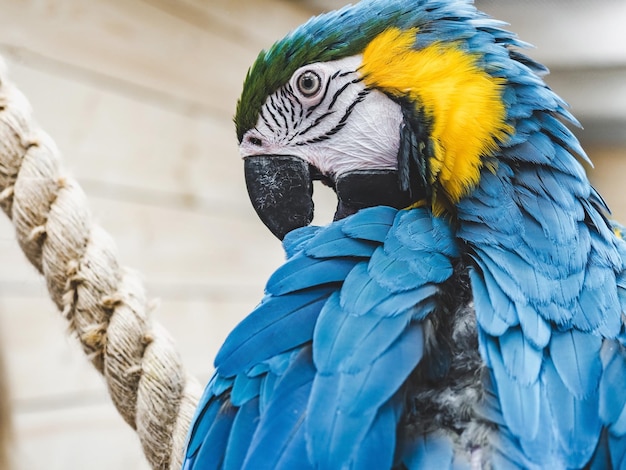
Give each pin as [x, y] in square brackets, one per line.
[139, 96]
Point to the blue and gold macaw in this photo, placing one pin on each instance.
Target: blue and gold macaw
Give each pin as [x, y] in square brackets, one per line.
[464, 309]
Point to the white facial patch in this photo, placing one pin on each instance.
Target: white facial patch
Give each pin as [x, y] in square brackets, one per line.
[341, 126]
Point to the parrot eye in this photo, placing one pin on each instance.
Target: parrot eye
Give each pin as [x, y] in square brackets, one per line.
[309, 83]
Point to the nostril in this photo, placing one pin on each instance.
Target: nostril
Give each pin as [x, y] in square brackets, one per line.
[255, 141]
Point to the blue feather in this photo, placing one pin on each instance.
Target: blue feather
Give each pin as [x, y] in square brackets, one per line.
[431, 451]
[489, 407]
[497, 309]
[332, 240]
[613, 379]
[522, 283]
[601, 459]
[598, 304]
[364, 294]
[371, 224]
[302, 272]
[485, 313]
[536, 330]
[337, 334]
[277, 324]
[386, 267]
[294, 455]
[343, 406]
[243, 428]
[618, 428]
[521, 360]
[279, 424]
[508, 455]
[376, 450]
[617, 450]
[205, 416]
[216, 438]
[576, 358]
[245, 389]
[295, 240]
[575, 419]
[520, 404]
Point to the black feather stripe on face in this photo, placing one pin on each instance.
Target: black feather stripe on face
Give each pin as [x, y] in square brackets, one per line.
[342, 122]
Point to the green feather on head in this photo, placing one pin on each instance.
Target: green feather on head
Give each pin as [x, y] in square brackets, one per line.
[323, 38]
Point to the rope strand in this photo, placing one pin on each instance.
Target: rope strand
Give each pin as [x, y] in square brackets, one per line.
[104, 304]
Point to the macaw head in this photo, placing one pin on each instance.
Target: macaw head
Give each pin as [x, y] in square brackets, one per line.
[389, 102]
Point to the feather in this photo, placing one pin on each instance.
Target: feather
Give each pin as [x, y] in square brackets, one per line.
[344, 406]
[485, 311]
[279, 425]
[421, 231]
[558, 226]
[206, 414]
[243, 428]
[536, 330]
[604, 234]
[617, 450]
[302, 272]
[387, 267]
[216, 438]
[598, 303]
[244, 389]
[431, 451]
[294, 454]
[399, 262]
[576, 358]
[376, 450]
[295, 240]
[601, 459]
[277, 324]
[507, 453]
[494, 302]
[332, 240]
[612, 381]
[489, 406]
[618, 427]
[520, 404]
[362, 294]
[337, 336]
[575, 419]
[268, 387]
[521, 360]
[373, 228]
[523, 284]
[533, 149]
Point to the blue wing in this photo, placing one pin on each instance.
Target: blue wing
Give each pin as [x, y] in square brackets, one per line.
[313, 378]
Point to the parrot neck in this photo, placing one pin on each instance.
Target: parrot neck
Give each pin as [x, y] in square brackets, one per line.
[461, 102]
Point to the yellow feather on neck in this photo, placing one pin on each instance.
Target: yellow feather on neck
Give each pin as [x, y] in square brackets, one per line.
[462, 103]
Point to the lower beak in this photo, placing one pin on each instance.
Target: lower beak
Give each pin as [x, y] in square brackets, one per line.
[281, 191]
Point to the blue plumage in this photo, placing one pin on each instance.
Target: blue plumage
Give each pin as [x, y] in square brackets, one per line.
[349, 397]
[486, 333]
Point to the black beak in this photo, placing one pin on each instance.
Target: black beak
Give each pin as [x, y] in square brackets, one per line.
[281, 190]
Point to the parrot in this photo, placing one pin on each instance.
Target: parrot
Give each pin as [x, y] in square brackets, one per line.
[464, 308]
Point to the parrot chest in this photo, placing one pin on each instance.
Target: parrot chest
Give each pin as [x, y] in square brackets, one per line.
[445, 391]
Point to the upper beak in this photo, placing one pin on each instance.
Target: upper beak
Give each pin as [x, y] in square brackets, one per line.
[281, 190]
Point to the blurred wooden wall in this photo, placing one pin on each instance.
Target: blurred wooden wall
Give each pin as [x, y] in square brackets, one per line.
[139, 96]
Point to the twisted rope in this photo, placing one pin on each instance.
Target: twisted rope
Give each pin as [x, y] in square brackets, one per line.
[105, 304]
